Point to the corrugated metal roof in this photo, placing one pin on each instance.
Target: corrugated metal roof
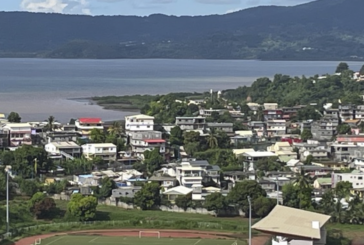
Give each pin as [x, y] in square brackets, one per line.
[292, 222]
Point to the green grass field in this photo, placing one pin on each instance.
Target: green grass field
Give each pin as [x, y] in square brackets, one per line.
[100, 240]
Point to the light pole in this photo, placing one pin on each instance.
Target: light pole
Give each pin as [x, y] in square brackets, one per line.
[277, 191]
[250, 221]
[7, 169]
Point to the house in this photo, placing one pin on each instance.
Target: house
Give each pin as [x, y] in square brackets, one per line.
[61, 136]
[177, 191]
[272, 112]
[239, 152]
[257, 126]
[268, 185]
[136, 123]
[4, 138]
[66, 149]
[358, 163]
[332, 164]
[297, 226]
[146, 140]
[324, 129]
[291, 112]
[225, 127]
[85, 125]
[347, 112]
[280, 146]
[316, 171]
[87, 180]
[125, 191]
[208, 112]
[294, 165]
[257, 155]
[19, 134]
[359, 113]
[194, 172]
[164, 181]
[276, 127]
[346, 152]
[355, 178]
[105, 151]
[317, 154]
[322, 183]
[191, 123]
[350, 139]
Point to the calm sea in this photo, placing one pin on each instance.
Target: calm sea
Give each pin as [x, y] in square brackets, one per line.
[37, 88]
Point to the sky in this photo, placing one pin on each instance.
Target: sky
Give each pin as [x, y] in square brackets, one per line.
[139, 7]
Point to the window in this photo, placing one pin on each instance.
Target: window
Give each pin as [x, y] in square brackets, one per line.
[361, 177]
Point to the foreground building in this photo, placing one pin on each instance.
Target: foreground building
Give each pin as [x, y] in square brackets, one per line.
[292, 226]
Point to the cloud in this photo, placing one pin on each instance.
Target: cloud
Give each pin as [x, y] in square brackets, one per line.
[219, 1]
[56, 6]
[232, 10]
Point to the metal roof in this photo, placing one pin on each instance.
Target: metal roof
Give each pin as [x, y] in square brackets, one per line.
[291, 222]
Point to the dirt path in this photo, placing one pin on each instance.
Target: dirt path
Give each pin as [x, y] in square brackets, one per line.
[261, 240]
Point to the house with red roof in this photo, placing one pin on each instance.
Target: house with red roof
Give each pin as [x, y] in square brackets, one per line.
[86, 124]
[147, 140]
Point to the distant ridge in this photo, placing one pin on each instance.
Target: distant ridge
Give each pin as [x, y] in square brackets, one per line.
[319, 30]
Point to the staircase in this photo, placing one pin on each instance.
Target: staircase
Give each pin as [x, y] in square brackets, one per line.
[66, 155]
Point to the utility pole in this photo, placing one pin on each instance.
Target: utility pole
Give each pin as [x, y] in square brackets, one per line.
[277, 191]
[250, 221]
[7, 169]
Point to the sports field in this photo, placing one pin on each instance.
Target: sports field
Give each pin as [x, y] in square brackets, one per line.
[100, 240]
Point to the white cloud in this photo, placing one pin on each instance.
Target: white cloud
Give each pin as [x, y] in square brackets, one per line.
[232, 10]
[219, 1]
[56, 6]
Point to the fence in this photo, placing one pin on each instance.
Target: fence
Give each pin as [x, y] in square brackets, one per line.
[66, 226]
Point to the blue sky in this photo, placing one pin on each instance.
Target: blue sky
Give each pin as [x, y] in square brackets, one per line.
[139, 7]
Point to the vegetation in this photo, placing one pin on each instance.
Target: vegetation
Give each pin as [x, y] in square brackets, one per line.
[82, 208]
[14, 117]
[282, 34]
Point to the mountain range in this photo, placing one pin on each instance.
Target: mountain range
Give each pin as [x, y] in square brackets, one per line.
[319, 30]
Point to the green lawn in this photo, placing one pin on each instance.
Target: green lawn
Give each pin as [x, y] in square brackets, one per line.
[100, 240]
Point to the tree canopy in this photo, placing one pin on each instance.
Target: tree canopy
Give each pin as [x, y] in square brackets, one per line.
[82, 208]
[14, 117]
[148, 197]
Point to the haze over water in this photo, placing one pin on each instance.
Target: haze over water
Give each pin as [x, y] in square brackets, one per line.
[37, 88]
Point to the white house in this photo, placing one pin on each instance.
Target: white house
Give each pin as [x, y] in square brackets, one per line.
[85, 125]
[67, 149]
[355, 178]
[106, 151]
[140, 122]
[146, 140]
[276, 127]
[192, 172]
[19, 133]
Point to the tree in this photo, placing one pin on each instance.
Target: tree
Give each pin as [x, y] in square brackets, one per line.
[107, 185]
[262, 206]
[361, 70]
[42, 206]
[176, 136]
[290, 196]
[215, 202]
[97, 135]
[148, 197]
[306, 134]
[115, 129]
[302, 180]
[82, 208]
[342, 67]
[28, 160]
[184, 201]
[212, 140]
[309, 159]
[344, 129]
[342, 189]
[153, 160]
[14, 117]
[240, 192]
[308, 113]
[28, 187]
[191, 137]
[50, 123]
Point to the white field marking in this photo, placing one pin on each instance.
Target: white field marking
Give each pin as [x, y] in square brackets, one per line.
[93, 240]
[235, 243]
[55, 240]
[197, 242]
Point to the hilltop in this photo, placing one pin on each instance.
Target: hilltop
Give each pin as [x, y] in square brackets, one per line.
[319, 30]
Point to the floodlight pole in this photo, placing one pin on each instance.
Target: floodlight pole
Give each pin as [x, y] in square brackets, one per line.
[277, 191]
[7, 202]
[250, 221]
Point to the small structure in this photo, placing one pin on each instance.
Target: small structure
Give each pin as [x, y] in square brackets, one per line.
[177, 191]
[294, 226]
[106, 151]
[85, 125]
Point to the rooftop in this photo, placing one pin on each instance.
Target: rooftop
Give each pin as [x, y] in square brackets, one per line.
[140, 116]
[101, 145]
[65, 144]
[90, 120]
[291, 222]
[260, 154]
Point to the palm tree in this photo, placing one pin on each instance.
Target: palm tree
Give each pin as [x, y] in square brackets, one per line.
[115, 129]
[302, 180]
[212, 140]
[97, 136]
[50, 123]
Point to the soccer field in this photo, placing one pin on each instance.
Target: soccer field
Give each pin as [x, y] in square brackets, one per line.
[100, 240]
